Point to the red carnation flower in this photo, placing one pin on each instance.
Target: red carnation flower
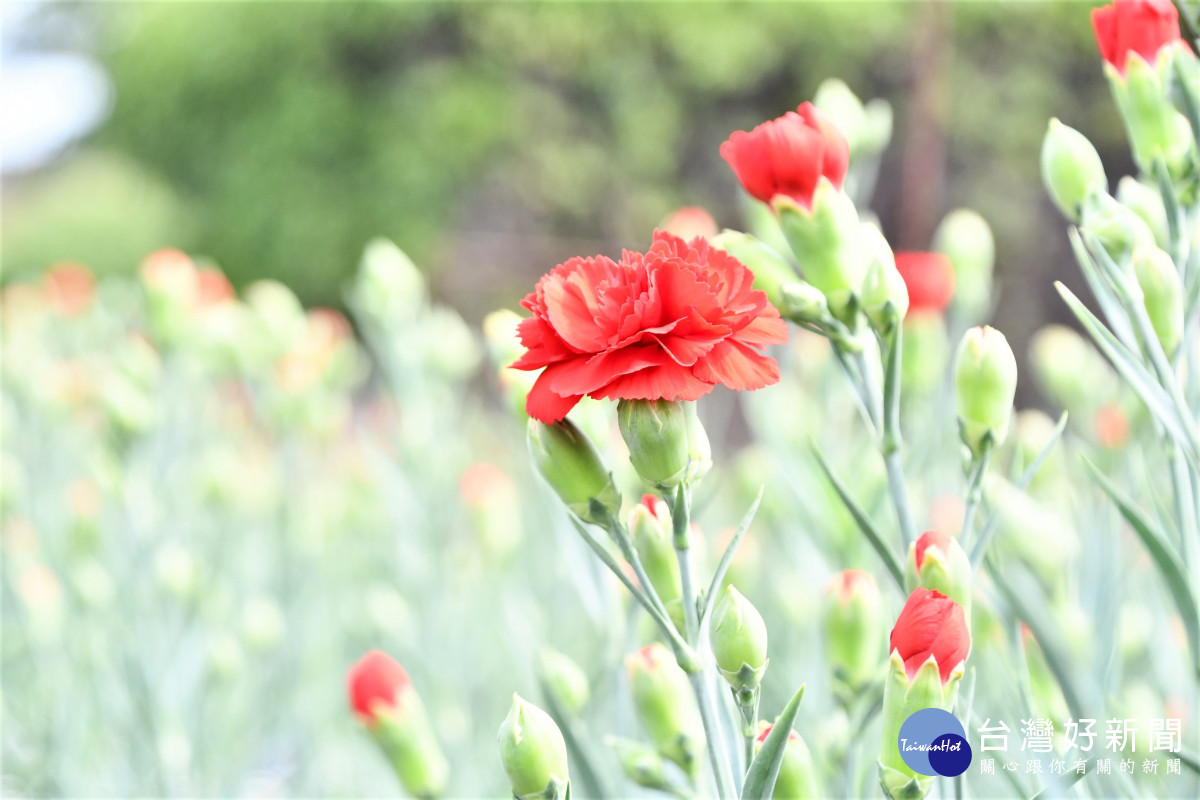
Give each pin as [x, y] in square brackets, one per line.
[789, 155]
[376, 681]
[765, 732]
[930, 539]
[931, 624]
[929, 278]
[1134, 26]
[847, 582]
[667, 325]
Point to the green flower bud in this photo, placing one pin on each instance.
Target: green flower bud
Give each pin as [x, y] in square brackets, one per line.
[1118, 228]
[797, 779]
[533, 753]
[938, 561]
[641, 763]
[1162, 292]
[855, 627]
[1071, 169]
[803, 302]
[901, 699]
[739, 642]
[650, 529]
[985, 381]
[966, 239]
[1156, 130]
[666, 706]
[1145, 201]
[1070, 369]
[926, 351]
[826, 244]
[884, 293]
[564, 679]
[388, 287]
[569, 462]
[771, 270]
[666, 442]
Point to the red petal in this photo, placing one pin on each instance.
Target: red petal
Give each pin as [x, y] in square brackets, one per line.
[668, 382]
[543, 404]
[737, 366]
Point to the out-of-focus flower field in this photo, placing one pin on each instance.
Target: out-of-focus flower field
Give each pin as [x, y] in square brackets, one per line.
[214, 501]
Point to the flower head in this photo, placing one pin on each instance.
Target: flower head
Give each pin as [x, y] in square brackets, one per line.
[929, 278]
[931, 625]
[789, 155]
[665, 325]
[1134, 26]
[375, 681]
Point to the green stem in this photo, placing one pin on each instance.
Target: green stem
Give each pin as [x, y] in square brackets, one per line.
[975, 491]
[749, 725]
[681, 520]
[892, 440]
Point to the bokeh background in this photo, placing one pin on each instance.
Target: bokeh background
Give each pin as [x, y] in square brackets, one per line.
[491, 141]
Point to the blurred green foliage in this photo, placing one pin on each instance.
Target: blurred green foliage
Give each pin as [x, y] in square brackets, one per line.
[494, 140]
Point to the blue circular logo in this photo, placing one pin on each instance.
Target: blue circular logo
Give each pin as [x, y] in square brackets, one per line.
[933, 742]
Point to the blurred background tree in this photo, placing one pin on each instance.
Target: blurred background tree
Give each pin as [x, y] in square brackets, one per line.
[493, 140]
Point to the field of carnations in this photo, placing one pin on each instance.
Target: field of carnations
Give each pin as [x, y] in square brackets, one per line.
[730, 513]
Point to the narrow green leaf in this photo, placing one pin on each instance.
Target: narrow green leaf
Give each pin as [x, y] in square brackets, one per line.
[760, 778]
[1063, 786]
[1102, 291]
[600, 550]
[1170, 202]
[715, 585]
[1022, 483]
[1191, 105]
[1131, 369]
[862, 520]
[1165, 557]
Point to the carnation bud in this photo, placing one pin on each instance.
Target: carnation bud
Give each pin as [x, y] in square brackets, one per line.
[666, 706]
[739, 642]
[388, 287]
[926, 351]
[569, 462]
[938, 561]
[826, 243]
[1162, 292]
[930, 643]
[985, 382]
[689, 222]
[1156, 130]
[797, 779]
[1145, 201]
[854, 627]
[966, 239]
[844, 108]
[385, 702]
[1071, 169]
[1118, 229]
[564, 679]
[650, 529]
[640, 763]
[771, 270]
[803, 302]
[1070, 369]
[533, 753]
[884, 293]
[666, 442]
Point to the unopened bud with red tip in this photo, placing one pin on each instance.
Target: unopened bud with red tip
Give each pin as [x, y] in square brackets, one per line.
[854, 627]
[564, 679]
[938, 561]
[930, 643]
[650, 529]
[985, 382]
[1071, 169]
[797, 779]
[1162, 294]
[666, 706]
[667, 444]
[533, 753]
[884, 292]
[570, 463]
[826, 243]
[1156, 130]
[771, 270]
[739, 641]
[383, 699]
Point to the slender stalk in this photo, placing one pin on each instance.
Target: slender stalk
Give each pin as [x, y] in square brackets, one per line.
[975, 491]
[681, 521]
[749, 727]
[892, 439]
